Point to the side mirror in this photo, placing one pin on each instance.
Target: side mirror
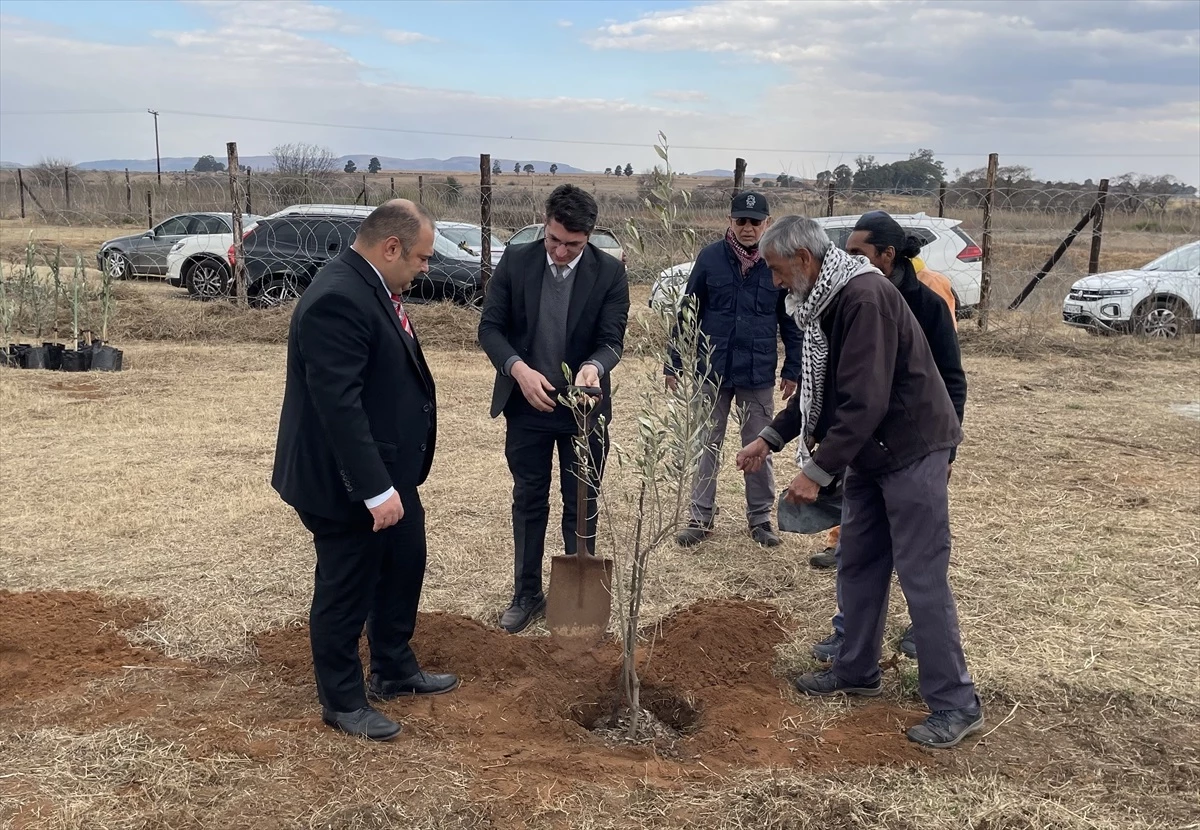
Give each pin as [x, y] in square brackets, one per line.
[148, 235]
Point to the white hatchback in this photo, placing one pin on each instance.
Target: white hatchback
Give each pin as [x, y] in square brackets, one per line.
[1160, 299]
[947, 249]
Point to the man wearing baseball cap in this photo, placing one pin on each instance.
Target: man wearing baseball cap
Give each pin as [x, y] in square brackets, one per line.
[742, 314]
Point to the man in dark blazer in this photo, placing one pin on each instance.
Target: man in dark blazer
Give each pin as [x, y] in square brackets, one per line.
[356, 439]
[553, 301]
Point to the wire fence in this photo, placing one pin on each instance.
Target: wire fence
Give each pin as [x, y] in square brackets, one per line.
[1013, 251]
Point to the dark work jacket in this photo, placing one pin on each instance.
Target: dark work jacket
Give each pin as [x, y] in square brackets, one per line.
[596, 315]
[933, 316]
[743, 319]
[359, 412]
[885, 404]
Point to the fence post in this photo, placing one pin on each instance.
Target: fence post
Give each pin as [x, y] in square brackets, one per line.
[128, 196]
[829, 196]
[393, 191]
[67, 186]
[364, 193]
[739, 176]
[485, 220]
[941, 198]
[985, 280]
[1098, 227]
[149, 210]
[421, 189]
[239, 251]
[21, 190]
[249, 207]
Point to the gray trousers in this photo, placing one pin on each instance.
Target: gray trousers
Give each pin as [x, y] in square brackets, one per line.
[902, 520]
[758, 408]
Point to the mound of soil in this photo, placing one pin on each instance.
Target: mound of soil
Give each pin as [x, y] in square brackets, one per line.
[49, 640]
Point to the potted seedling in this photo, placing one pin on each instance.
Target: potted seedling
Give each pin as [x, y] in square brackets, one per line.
[104, 357]
[6, 318]
[79, 358]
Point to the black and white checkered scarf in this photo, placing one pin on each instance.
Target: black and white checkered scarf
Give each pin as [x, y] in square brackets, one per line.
[837, 269]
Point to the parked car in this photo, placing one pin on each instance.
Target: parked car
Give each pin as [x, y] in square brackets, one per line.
[602, 238]
[146, 252]
[1159, 299]
[470, 238]
[284, 253]
[947, 249]
[199, 263]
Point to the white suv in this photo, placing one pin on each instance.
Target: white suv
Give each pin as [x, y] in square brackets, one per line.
[201, 264]
[1160, 299]
[947, 249]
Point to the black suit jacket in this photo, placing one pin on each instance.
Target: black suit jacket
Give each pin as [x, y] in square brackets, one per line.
[359, 412]
[596, 316]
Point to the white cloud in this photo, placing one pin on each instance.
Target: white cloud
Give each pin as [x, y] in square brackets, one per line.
[680, 95]
[564, 24]
[292, 15]
[404, 38]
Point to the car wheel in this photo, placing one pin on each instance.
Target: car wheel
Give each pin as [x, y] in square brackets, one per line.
[1163, 318]
[278, 292]
[116, 266]
[207, 279]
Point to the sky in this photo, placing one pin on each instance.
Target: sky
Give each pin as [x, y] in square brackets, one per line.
[1075, 90]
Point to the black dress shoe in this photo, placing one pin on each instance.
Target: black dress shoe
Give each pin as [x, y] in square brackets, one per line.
[421, 683]
[523, 612]
[362, 723]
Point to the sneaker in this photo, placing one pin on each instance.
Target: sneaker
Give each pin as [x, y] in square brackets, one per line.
[828, 648]
[826, 683]
[523, 612]
[765, 536]
[825, 560]
[694, 534]
[947, 728]
[908, 646]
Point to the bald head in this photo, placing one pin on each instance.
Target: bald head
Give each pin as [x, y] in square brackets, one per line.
[397, 238]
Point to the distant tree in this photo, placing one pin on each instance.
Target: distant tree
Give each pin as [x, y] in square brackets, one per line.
[754, 180]
[208, 164]
[517, 168]
[608, 171]
[618, 170]
[843, 177]
[553, 169]
[350, 166]
[783, 180]
[496, 171]
[374, 166]
[303, 160]
[824, 177]
[529, 169]
[628, 170]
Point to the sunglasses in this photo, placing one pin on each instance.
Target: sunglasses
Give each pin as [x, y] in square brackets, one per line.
[742, 221]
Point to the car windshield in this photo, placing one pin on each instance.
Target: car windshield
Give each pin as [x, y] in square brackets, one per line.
[471, 237]
[1186, 258]
[449, 249]
[603, 240]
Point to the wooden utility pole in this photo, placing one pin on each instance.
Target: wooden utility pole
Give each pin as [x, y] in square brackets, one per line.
[239, 251]
[985, 282]
[157, 155]
[1098, 226]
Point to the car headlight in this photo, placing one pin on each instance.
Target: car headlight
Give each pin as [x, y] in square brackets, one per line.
[1112, 292]
[178, 246]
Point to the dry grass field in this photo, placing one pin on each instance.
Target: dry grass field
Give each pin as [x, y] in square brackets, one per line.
[154, 666]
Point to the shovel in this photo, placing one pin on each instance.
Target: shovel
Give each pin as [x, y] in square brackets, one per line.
[580, 599]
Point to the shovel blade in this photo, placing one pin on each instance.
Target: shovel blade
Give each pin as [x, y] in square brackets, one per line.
[579, 602]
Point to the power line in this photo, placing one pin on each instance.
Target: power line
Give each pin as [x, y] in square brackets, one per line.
[582, 142]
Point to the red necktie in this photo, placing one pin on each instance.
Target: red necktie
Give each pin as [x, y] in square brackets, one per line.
[398, 304]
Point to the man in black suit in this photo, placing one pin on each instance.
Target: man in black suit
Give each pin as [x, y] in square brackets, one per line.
[554, 301]
[356, 438]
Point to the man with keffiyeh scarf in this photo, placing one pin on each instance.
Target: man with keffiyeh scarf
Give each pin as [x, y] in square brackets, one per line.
[873, 408]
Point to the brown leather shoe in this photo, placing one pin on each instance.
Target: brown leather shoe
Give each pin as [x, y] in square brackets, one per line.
[362, 723]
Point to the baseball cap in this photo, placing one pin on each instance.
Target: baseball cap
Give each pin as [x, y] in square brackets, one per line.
[749, 204]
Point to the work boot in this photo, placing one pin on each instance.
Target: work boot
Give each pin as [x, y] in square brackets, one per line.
[826, 683]
[765, 536]
[825, 560]
[947, 728]
[694, 534]
[828, 648]
[908, 645]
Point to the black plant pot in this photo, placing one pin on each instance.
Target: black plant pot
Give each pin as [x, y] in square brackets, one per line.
[54, 353]
[16, 354]
[35, 357]
[73, 361]
[106, 359]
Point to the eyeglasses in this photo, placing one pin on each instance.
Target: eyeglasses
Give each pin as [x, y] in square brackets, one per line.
[742, 221]
[554, 242]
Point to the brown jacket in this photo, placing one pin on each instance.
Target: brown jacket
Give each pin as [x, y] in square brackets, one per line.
[885, 403]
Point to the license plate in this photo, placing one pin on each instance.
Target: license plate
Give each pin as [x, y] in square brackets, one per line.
[1071, 308]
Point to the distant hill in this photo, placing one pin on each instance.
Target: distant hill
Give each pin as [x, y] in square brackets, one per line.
[456, 164]
[728, 174]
